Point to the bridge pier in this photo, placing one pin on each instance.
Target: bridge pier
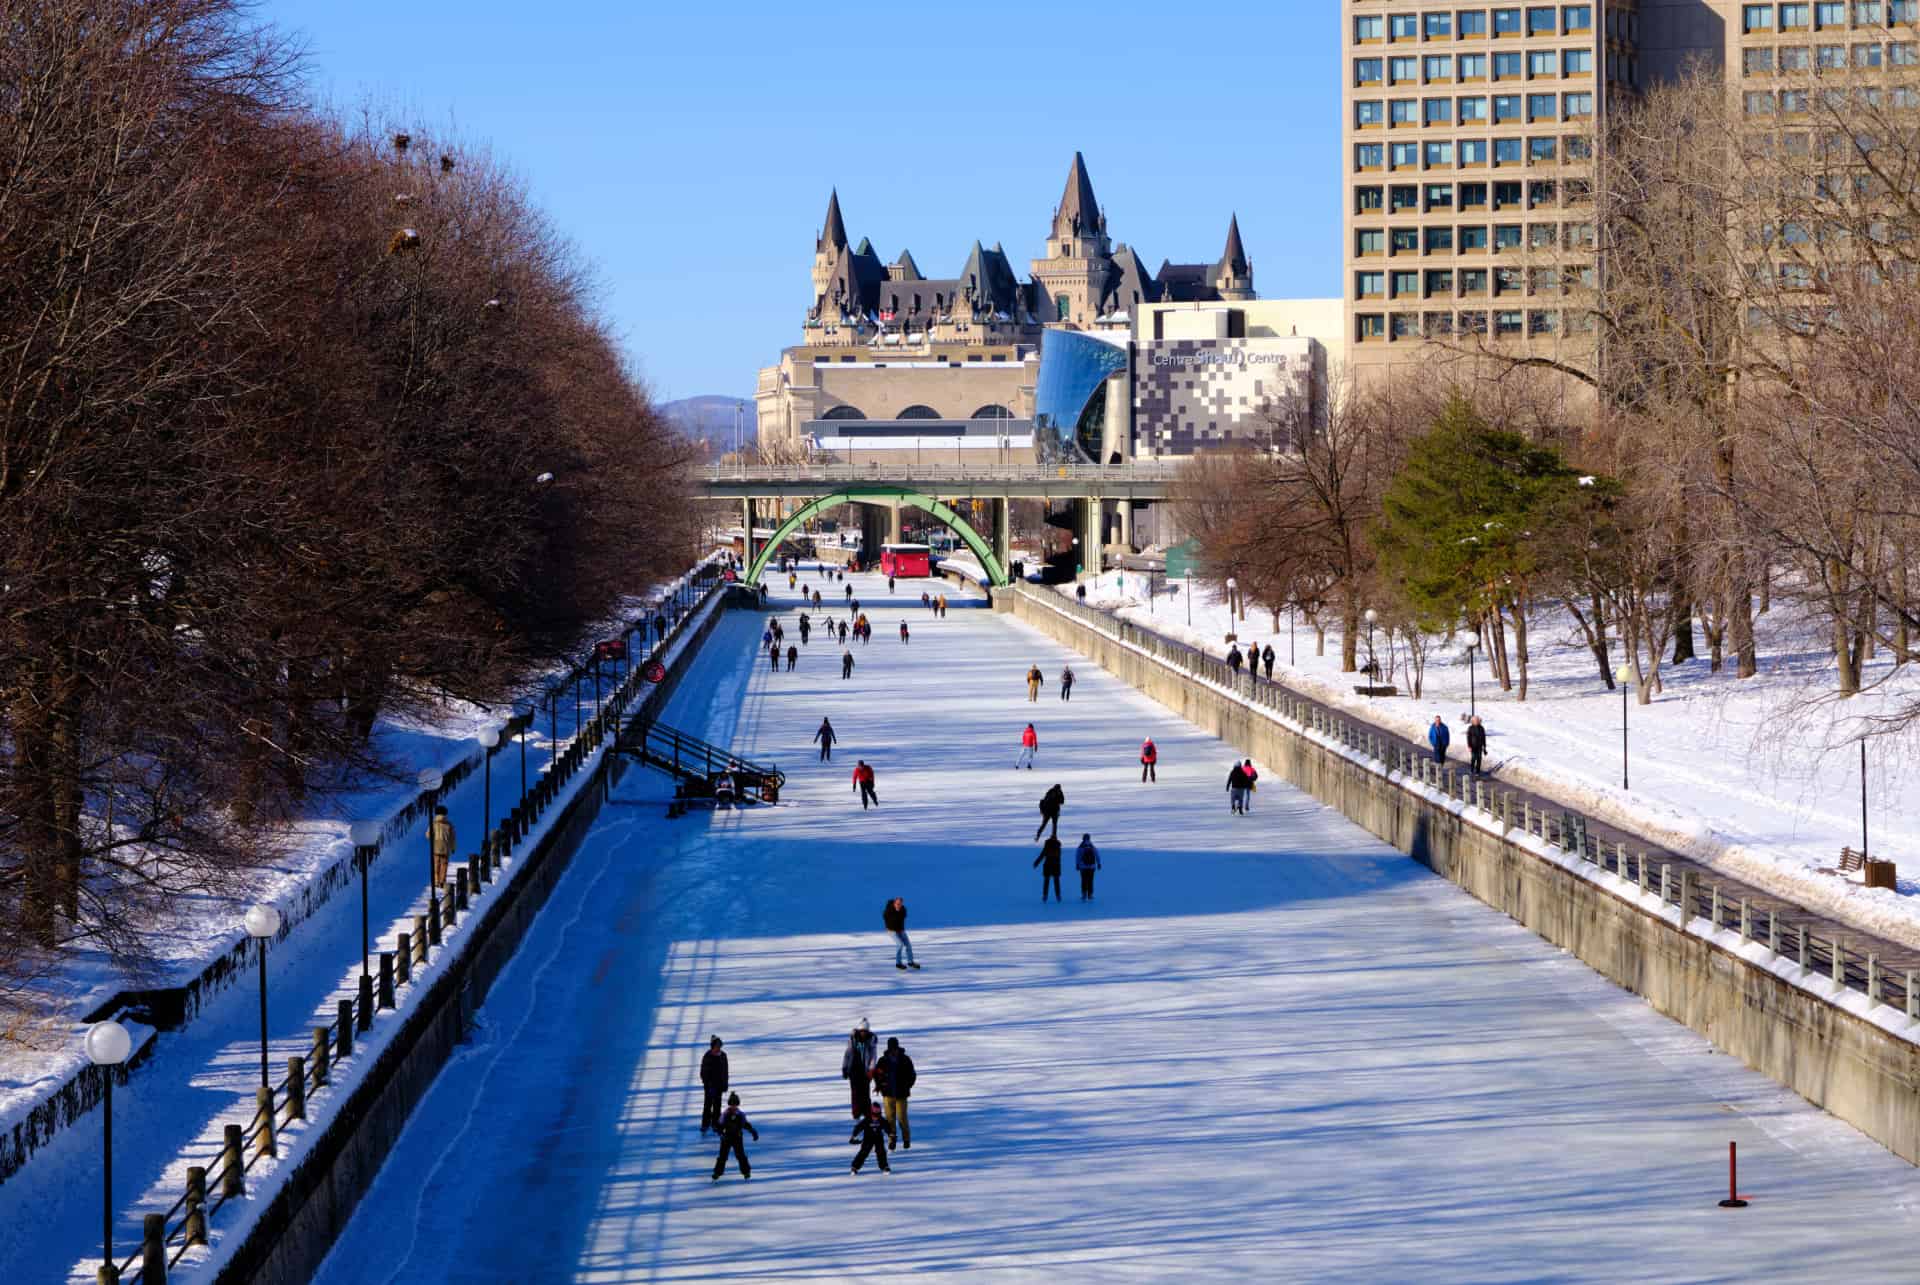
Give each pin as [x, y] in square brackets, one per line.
[1001, 511]
[893, 523]
[747, 548]
[1091, 524]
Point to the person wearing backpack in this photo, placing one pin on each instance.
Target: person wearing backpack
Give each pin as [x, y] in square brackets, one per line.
[1086, 859]
[895, 1075]
[1149, 755]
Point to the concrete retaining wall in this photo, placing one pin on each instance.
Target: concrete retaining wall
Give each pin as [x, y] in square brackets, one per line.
[1799, 1028]
[287, 1243]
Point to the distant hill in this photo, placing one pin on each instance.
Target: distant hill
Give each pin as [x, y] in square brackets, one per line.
[710, 419]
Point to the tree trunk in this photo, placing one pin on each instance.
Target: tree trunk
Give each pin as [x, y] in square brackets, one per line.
[1683, 630]
[1746, 653]
[1498, 655]
[1349, 631]
[1520, 643]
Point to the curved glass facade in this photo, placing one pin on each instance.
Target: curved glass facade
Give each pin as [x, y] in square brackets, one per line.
[1069, 410]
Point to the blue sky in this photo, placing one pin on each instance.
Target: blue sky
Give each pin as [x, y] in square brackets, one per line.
[688, 149]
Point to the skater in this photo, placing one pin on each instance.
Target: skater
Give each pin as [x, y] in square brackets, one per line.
[1253, 783]
[843, 632]
[806, 628]
[895, 1075]
[863, 782]
[870, 1131]
[926, 599]
[1235, 659]
[1034, 680]
[1149, 756]
[1050, 804]
[1237, 788]
[856, 1067]
[1476, 744]
[816, 600]
[1066, 683]
[766, 636]
[903, 631]
[848, 591]
[440, 839]
[826, 736]
[1439, 737]
[713, 1078]
[731, 1123]
[1266, 656]
[894, 916]
[1086, 859]
[1029, 746]
[889, 584]
[773, 657]
[1049, 863]
[793, 656]
[854, 611]
[1080, 591]
[941, 609]
[846, 659]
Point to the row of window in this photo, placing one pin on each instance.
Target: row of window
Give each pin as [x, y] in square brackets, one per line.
[1467, 24]
[1431, 69]
[1440, 283]
[1792, 102]
[1470, 153]
[1474, 238]
[1472, 109]
[1507, 323]
[1429, 198]
[1791, 58]
[1822, 15]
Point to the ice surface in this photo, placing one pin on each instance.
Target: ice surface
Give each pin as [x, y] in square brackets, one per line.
[1272, 1048]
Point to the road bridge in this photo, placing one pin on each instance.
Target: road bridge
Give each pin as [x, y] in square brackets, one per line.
[936, 489]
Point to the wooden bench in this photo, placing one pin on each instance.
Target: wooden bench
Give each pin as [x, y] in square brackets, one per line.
[1878, 873]
[1382, 689]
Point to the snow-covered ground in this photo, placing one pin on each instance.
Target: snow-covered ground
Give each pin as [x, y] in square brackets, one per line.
[1272, 1047]
[1757, 777]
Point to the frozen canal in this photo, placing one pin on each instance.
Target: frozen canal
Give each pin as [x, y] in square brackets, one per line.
[1272, 1047]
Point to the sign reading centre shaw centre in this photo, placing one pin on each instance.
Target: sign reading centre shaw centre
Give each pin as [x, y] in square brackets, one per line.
[1190, 394]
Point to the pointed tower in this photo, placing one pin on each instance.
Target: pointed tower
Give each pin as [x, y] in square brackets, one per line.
[1079, 259]
[1233, 275]
[829, 245]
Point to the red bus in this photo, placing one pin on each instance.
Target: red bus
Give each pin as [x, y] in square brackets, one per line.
[905, 560]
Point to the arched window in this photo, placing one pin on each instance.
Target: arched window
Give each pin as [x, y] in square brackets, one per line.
[844, 412]
[917, 411]
[995, 411]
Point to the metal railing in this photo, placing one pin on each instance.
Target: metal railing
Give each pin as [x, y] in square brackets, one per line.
[1147, 472]
[167, 1236]
[1782, 927]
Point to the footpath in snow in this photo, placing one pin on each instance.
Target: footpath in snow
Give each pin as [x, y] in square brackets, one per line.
[1271, 1047]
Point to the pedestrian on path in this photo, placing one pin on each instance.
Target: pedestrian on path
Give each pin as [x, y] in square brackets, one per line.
[732, 1122]
[1050, 804]
[1266, 656]
[440, 839]
[889, 584]
[870, 1131]
[1237, 788]
[1066, 683]
[846, 660]
[1149, 756]
[1439, 737]
[895, 1075]
[826, 736]
[1034, 680]
[1086, 859]
[1049, 863]
[856, 1067]
[1235, 659]
[1253, 783]
[1029, 746]
[1080, 592]
[894, 916]
[863, 783]
[793, 655]
[713, 1078]
[1476, 744]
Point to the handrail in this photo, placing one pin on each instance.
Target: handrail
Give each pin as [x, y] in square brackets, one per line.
[1148, 471]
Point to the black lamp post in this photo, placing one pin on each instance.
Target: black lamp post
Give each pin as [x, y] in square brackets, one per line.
[366, 837]
[108, 1045]
[1473, 706]
[1623, 675]
[488, 738]
[1373, 670]
[262, 922]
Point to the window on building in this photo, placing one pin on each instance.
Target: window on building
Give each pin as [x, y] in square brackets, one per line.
[1369, 112]
[1506, 325]
[1543, 62]
[1756, 62]
[1507, 151]
[1437, 111]
[1576, 17]
[1473, 196]
[1903, 53]
[1866, 56]
[1753, 17]
[1367, 28]
[1403, 325]
[1506, 22]
[1580, 236]
[1576, 62]
[1403, 71]
[1439, 154]
[1369, 241]
[1368, 200]
[1404, 111]
[1506, 108]
[1542, 20]
[1830, 13]
[1403, 196]
[1439, 26]
[1506, 195]
[1506, 236]
[1403, 26]
[1543, 106]
[1471, 323]
[1542, 236]
[1473, 281]
[1405, 283]
[1369, 325]
[1369, 156]
[1436, 325]
[1439, 284]
[1867, 13]
[1369, 285]
[1472, 22]
[1438, 66]
[1540, 322]
[1404, 156]
[1795, 58]
[1439, 240]
[1473, 110]
[1576, 147]
[1507, 66]
[1473, 239]
[1473, 66]
[1404, 240]
[1542, 151]
[1830, 57]
[1366, 71]
[1439, 196]
[1577, 106]
[1795, 16]
[1903, 11]
[1064, 308]
[1759, 103]
[1473, 151]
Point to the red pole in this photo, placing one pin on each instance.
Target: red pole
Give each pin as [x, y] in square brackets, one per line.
[1733, 1200]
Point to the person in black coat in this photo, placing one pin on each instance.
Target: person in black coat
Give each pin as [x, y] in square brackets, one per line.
[793, 654]
[1266, 656]
[731, 1123]
[1476, 744]
[895, 1075]
[826, 736]
[1234, 658]
[713, 1078]
[856, 1067]
[870, 1131]
[1049, 853]
[1050, 804]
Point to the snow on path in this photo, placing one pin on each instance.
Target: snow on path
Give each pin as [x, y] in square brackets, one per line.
[1272, 1046]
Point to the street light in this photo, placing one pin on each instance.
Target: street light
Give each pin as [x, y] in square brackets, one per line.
[366, 837]
[526, 722]
[1623, 675]
[1373, 670]
[1232, 586]
[262, 922]
[488, 738]
[108, 1045]
[1473, 707]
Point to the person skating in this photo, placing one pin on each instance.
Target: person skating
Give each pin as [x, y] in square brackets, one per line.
[1050, 804]
[816, 600]
[1086, 859]
[1149, 756]
[863, 783]
[847, 593]
[870, 1131]
[1439, 737]
[903, 631]
[1266, 656]
[440, 840]
[895, 1075]
[889, 584]
[723, 791]
[806, 630]
[1066, 683]
[732, 1122]
[926, 600]
[1237, 788]
[846, 660]
[1253, 783]
[1034, 680]
[1476, 744]
[894, 916]
[713, 1079]
[843, 633]
[1029, 746]
[1049, 863]
[773, 657]
[826, 736]
[856, 1067]
[793, 657]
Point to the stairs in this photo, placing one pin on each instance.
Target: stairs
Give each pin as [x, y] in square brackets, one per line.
[697, 766]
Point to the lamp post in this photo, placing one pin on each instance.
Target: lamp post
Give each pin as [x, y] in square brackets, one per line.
[1290, 610]
[1473, 706]
[488, 738]
[1623, 675]
[1373, 670]
[366, 836]
[262, 922]
[108, 1045]
[1233, 587]
[1863, 798]
[522, 738]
